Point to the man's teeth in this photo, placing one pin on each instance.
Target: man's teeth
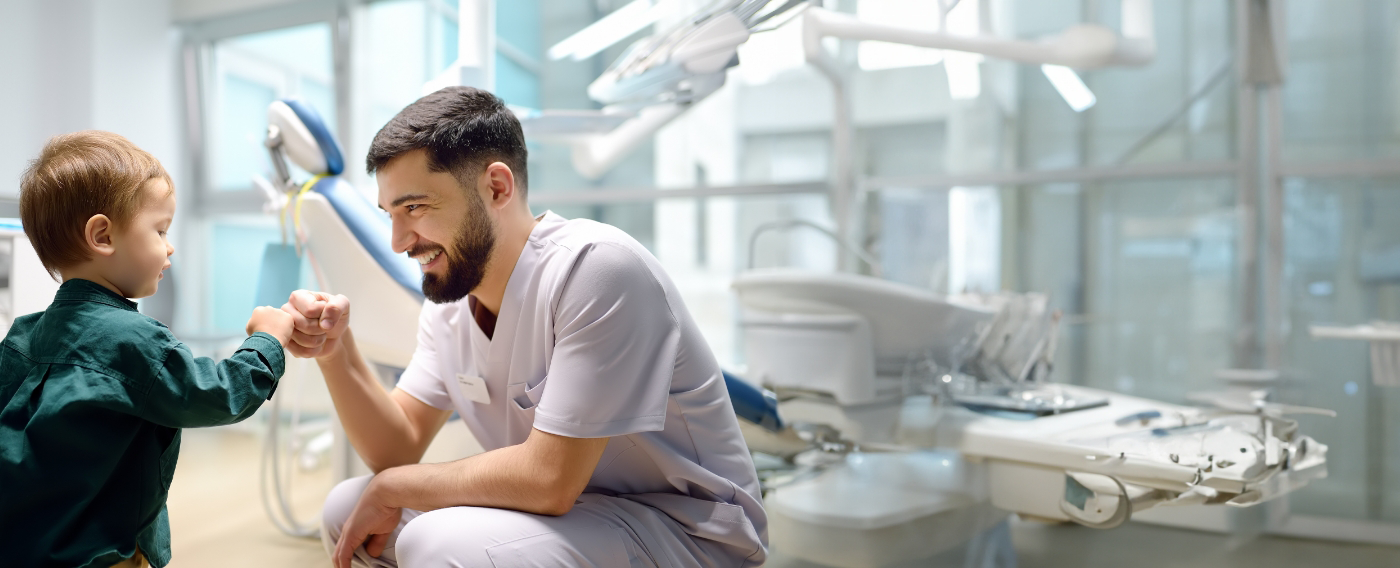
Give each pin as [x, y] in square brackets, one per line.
[425, 259]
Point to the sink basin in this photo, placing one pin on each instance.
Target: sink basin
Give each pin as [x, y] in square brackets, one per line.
[904, 321]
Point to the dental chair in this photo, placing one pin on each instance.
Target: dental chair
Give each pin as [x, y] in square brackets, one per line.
[929, 419]
[347, 237]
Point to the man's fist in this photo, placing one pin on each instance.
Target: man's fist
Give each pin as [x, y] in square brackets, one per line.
[319, 319]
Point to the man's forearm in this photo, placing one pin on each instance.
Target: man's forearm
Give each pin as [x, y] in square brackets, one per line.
[375, 424]
[543, 475]
[502, 478]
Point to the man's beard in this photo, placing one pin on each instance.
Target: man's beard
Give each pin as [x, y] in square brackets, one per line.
[466, 265]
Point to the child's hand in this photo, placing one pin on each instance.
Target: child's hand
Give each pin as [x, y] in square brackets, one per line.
[272, 321]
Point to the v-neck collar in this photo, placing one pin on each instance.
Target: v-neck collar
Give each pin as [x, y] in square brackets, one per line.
[508, 318]
[485, 320]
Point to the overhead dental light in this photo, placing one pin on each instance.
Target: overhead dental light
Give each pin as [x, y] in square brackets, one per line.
[1070, 87]
[609, 30]
[659, 77]
[664, 74]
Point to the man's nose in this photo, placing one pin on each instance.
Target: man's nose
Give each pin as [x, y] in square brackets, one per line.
[402, 237]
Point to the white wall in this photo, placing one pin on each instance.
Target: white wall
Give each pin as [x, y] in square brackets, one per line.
[80, 64]
[47, 65]
[135, 77]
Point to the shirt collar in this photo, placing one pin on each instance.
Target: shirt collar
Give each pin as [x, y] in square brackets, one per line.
[545, 225]
[79, 290]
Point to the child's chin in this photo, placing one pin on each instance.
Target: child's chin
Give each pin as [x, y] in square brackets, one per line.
[148, 292]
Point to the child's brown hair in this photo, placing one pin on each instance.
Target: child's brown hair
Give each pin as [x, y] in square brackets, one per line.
[77, 176]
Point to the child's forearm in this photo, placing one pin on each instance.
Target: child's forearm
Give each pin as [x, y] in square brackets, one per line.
[194, 391]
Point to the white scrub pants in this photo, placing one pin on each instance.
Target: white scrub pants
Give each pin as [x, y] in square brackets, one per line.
[602, 531]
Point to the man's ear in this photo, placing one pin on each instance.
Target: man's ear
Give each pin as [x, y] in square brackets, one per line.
[98, 235]
[500, 184]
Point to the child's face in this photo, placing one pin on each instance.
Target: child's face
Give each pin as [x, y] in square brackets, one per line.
[142, 250]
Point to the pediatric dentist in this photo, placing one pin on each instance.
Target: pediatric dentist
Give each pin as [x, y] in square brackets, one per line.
[610, 440]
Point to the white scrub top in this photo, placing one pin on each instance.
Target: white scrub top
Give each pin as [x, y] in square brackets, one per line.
[592, 341]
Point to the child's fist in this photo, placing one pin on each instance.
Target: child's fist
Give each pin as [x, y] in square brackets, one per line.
[272, 321]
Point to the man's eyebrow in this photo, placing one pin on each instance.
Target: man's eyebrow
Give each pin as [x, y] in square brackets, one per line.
[404, 198]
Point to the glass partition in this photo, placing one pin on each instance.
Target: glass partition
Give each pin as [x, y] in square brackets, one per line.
[1339, 98]
[248, 72]
[1340, 269]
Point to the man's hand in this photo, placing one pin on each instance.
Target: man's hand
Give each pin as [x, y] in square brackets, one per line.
[320, 320]
[370, 524]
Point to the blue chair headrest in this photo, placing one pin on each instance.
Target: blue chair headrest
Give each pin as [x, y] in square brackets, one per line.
[305, 138]
[753, 404]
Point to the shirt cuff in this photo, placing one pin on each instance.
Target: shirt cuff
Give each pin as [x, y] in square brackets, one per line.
[270, 349]
[623, 427]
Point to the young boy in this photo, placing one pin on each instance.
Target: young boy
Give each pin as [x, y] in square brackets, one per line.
[92, 393]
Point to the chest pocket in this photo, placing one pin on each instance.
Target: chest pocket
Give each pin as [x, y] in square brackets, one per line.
[525, 397]
[521, 399]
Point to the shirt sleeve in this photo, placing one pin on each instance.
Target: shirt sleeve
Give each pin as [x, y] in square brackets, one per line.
[615, 349]
[191, 391]
[422, 379]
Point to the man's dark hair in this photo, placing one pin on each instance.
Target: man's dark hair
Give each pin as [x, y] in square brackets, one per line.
[462, 128]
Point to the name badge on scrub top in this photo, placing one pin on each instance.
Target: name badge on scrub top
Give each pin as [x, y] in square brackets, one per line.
[474, 388]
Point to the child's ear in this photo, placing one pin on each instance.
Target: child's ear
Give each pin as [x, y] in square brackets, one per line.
[98, 234]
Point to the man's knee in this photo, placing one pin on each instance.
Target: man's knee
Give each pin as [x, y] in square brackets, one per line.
[480, 536]
[436, 538]
[339, 504]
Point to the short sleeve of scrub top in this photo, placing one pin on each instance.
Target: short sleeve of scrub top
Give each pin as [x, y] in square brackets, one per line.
[615, 349]
[421, 379]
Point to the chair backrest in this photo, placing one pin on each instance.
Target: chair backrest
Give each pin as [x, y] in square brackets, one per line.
[351, 241]
[384, 309]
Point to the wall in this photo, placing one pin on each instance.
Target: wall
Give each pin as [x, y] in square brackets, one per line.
[79, 64]
[48, 68]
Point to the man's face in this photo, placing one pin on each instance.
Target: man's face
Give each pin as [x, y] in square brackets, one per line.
[442, 225]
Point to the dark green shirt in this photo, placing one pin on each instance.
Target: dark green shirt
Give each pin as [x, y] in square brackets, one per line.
[94, 395]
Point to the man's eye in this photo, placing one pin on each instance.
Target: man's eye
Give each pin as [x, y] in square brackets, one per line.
[413, 207]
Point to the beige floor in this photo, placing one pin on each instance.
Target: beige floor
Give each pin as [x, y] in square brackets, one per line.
[217, 521]
[216, 516]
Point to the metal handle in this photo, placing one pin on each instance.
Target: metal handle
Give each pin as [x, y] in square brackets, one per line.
[875, 268]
